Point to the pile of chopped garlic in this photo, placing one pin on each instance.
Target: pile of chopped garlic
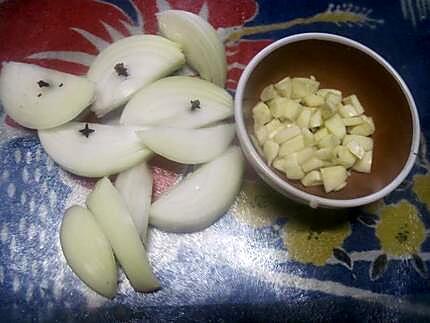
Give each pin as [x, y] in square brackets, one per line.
[311, 134]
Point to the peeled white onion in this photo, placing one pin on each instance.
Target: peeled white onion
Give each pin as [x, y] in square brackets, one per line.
[144, 59]
[135, 186]
[203, 48]
[167, 102]
[201, 198]
[111, 212]
[88, 251]
[106, 151]
[188, 146]
[41, 98]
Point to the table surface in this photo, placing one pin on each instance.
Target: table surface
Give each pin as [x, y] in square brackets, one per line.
[267, 259]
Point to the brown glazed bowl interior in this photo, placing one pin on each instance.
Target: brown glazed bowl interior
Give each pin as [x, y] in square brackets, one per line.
[352, 71]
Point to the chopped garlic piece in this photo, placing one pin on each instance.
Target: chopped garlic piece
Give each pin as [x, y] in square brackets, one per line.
[287, 133]
[273, 127]
[270, 150]
[365, 142]
[324, 153]
[304, 118]
[367, 128]
[292, 145]
[304, 154]
[355, 148]
[353, 100]
[332, 100]
[303, 87]
[320, 134]
[327, 113]
[278, 164]
[333, 177]
[313, 163]
[268, 93]
[277, 106]
[335, 126]
[347, 111]
[352, 121]
[291, 110]
[316, 119]
[261, 113]
[292, 168]
[312, 178]
[284, 87]
[364, 165]
[261, 134]
[344, 157]
[308, 137]
[340, 186]
[329, 141]
[313, 100]
[324, 92]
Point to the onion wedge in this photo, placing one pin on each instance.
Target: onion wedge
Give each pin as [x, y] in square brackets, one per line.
[135, 186]
[111, 212]
[128, 65]
[41, 98]
[188, 146]
[107, 150]
[167, 102]
[201, 198]
[203, 49]
[88, 252]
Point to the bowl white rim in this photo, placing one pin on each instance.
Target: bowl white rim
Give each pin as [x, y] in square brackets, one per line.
[281, 185]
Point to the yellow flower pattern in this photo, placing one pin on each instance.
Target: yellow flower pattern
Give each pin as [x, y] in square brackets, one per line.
[422, 188]
[400, 230]
[308, 245]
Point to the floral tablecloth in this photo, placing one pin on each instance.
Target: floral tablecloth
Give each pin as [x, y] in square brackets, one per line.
[267, 259]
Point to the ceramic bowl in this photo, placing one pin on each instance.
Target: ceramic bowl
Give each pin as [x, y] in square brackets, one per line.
[344, 64]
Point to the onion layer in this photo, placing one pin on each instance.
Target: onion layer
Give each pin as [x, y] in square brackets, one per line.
[201, 198]
[112, 214]
[88, 252]
[107, 150]
[188, 146]
[135, 186]
[167, 102]
[128, 65]
[41, 98]
[203, 49]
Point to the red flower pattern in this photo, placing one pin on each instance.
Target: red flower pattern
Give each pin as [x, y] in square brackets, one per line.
[28, 27]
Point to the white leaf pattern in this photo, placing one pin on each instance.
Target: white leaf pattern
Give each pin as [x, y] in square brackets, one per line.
[96, 41]
[66, 56]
